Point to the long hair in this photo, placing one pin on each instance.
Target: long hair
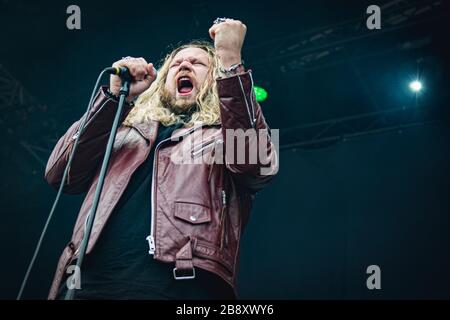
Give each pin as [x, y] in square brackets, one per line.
[149, 107]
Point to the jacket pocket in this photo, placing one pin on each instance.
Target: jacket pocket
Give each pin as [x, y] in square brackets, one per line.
[192, 212]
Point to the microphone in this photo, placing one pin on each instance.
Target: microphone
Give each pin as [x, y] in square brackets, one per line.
[122, 72]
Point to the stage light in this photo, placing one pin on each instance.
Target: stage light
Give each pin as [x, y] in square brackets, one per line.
[415, 86]
[260, 94]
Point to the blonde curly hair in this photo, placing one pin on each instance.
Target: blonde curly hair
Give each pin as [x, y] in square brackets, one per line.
[149, 105]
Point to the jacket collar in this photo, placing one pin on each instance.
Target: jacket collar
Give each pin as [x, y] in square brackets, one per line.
[148, 131]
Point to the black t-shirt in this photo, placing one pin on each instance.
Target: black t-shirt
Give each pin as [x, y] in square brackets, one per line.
[119, 267]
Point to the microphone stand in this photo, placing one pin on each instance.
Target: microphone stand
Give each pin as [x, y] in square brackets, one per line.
[123, 93]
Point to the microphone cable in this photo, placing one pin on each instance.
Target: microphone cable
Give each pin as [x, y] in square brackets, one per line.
[63, 181]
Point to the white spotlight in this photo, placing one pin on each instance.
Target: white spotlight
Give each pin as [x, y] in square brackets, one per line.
[415, 86]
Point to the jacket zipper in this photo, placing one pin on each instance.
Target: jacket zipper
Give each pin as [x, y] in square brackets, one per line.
[206, 145]
[250, 111]
[151, 237]
[222, 219]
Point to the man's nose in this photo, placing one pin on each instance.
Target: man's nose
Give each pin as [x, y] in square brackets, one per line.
[185, 65]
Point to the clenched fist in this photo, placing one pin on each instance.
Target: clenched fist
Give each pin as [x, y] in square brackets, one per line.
[143, 75]
[228, 39]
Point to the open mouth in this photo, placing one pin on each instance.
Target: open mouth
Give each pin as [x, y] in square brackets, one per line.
[185, 85]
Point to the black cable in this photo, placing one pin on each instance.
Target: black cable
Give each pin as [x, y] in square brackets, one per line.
[63, 181]
[123, 93]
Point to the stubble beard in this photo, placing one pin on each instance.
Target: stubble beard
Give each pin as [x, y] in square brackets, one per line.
[178, 107]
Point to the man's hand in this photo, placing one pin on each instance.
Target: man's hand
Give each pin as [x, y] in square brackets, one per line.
[228, 39]
[143, 75]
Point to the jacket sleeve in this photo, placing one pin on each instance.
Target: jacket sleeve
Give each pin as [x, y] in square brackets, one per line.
[91, 145]
[246, 134]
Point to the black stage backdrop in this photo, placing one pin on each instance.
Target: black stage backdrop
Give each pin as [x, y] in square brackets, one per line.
[373, 191]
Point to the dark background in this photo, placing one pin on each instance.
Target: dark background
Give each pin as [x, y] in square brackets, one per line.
[364, 176]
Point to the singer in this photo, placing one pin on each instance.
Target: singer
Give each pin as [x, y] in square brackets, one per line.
[166, 230]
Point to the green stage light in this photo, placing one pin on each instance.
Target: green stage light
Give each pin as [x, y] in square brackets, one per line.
[260, 94]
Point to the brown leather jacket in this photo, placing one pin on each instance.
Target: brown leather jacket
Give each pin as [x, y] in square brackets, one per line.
[199, 210]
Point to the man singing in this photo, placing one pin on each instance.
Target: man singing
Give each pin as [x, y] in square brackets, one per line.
[166, 229]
